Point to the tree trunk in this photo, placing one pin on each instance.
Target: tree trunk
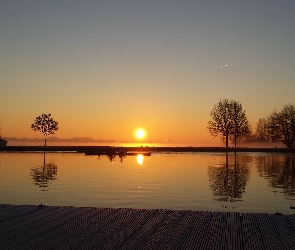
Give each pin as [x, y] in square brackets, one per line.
[44, 140]
[44, 159]
[226, 141]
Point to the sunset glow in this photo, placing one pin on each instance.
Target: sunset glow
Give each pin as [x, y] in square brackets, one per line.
[106, 68]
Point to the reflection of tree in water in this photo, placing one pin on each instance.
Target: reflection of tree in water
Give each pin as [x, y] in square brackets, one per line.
[43, 174]
[228, 181]
[280, 172]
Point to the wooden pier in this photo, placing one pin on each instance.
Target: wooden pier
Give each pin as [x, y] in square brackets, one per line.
[55, 227]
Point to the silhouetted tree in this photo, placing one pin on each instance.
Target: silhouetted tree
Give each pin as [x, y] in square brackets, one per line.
[262, 129]
[229, 120]
[45, 124]
[241, 128]
[282, 126]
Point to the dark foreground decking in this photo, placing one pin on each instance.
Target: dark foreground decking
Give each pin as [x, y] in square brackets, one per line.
[33, 227]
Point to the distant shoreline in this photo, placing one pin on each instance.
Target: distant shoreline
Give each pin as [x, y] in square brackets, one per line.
[84, 149]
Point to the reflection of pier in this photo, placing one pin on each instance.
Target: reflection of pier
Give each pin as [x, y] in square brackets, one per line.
[112, 152]
[32, 227]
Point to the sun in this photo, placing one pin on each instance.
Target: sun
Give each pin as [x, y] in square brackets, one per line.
[140, 133]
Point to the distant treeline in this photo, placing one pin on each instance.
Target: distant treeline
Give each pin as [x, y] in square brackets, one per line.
[21, 141]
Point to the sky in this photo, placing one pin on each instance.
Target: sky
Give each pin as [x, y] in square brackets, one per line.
[105, 68]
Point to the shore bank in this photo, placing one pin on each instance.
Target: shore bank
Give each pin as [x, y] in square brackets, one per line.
[104, 149]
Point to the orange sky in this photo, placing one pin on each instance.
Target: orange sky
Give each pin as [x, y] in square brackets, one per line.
[104, 69]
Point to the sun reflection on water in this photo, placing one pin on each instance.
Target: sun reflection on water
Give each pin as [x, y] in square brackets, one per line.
[139, 159]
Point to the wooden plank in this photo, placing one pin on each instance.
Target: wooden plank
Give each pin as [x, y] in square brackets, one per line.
[78, 225]
[216, 232]
[233, 231]
[162, 230]
[291, 219]
[179, 225]
[50, 227]
[198, 230]
[8, 212]
[25, 217]
[269, 232]
[137, 228]
[251, 236]
[128, 229]
[285, 229]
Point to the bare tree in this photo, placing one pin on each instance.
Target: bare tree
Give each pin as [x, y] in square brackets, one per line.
[229, 120]
[262, 129]
[45, 124]
[241, 127]
[282, 126]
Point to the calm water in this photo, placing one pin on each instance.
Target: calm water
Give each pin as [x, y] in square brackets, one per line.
[246, 182]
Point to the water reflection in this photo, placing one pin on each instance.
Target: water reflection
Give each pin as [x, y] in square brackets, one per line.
[111, 157]
[43, 174]
[139, 159]
[279, 171]
[197, 181]
[228, 181]
[111, 153]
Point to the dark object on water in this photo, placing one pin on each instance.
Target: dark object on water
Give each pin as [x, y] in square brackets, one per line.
[277, 213]
[118, 153]
[292, 207]
[138, 153]
[3, 142]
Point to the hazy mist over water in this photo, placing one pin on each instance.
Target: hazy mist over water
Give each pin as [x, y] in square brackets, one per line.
[92, 142]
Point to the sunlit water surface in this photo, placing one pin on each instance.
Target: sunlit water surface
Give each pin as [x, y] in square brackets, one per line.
[245, 182]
